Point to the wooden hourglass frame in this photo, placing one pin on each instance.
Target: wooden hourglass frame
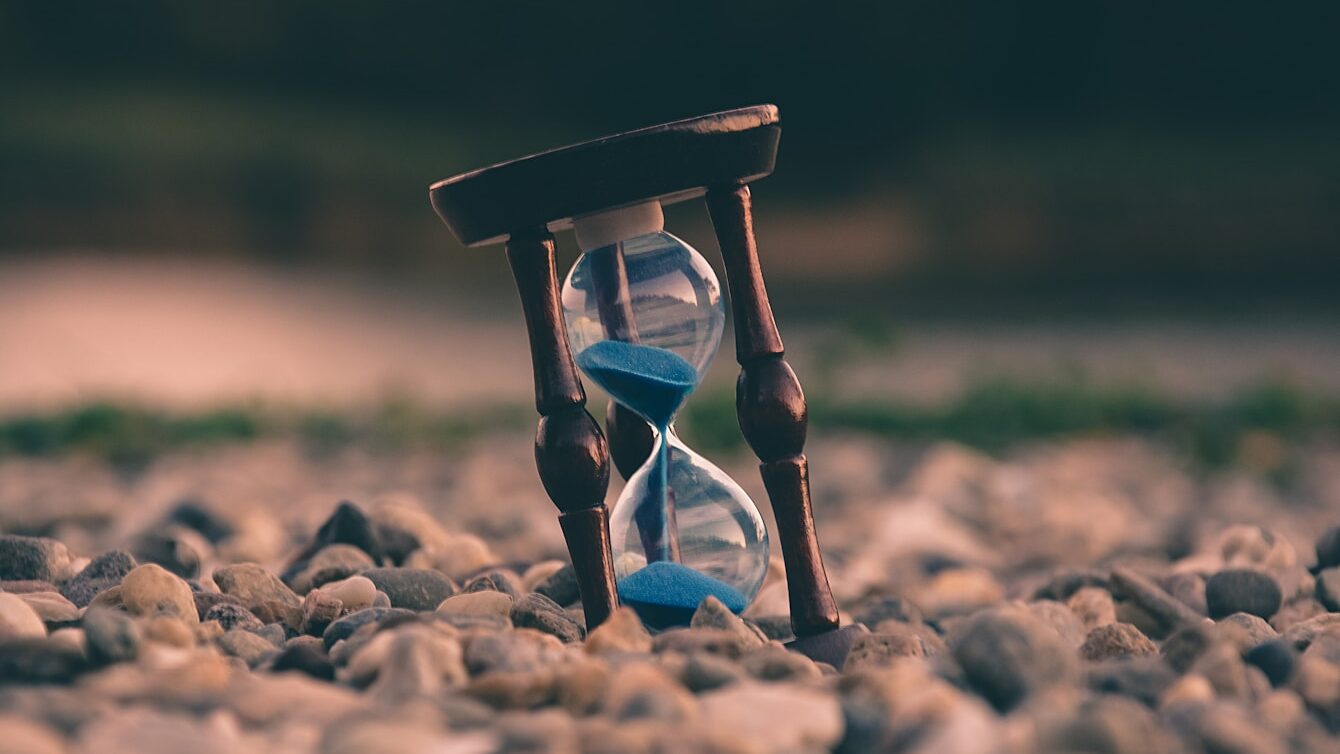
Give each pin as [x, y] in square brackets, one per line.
[521, 202]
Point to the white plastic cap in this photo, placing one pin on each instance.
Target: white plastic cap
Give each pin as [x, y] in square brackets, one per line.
[615, 225]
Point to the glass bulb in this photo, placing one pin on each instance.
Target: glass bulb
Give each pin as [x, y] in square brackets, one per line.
[645, 319]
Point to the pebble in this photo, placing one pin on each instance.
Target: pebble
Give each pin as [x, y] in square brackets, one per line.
[1301, 634]
[1141, 678]
[1184, 646]
[622, 632]
[523, 651]
[1328, 588]
[1007, 654]
[1246, 546]
[319, 610]
[1242, 590]
[496, 580]
[1189, 589]
[689, 640]
[1275, 658]
[196, 515]
[1328, 548]
[714, 614]
[350, 526]
[102, 573]
[307, 657]
[258, 589]
[1169, 611]
[20, 736]
[25, 659]
[1062, 620]
[887, 607]
[580, 686]
[773, 662]
[420, 589]
[246, 646]
[178, 549]
[346, 626]
[33, 558]
[889, 643]
[168, 629]
[402, 529]
[1116, 641]
[643, 691]
[1062, 585]
[465, 556]
[51, 607]
[150, 589]
[330, 563]
[18, 619]
[355, 592]
[1093, 606]
[231, 615]
[487, 603]
[561, 586]
[1245, 630]
[775, 717]
[543, 614]
[111, 636]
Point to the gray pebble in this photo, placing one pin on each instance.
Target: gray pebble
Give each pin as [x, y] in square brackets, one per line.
[420, 589]
[1141, 678]
[888, 607]
[1242, 590]
[543, 614]
[561, 586]
[496, 580]
[1245, 630]
[1184, 646]
[1189, 588]
[112, 636]
[772, 662]
[712, 613]
[44, 660]
[1007, 654]
[249, 647]
[33, 558]
[231, 615]
[176, 548]
[346, 626]
[703, 671]
[101, 574]
[1328, 549]
[1328, 588]
[1163, 607]
[775, 627]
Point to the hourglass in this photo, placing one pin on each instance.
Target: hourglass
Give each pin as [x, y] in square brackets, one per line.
[641, 314]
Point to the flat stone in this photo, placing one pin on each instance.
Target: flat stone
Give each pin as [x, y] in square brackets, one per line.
[149, 589]
[256, 588]
[51, 607]
[102, 573]
[1242, 590]
[419, 589]
[18, 619]
[486, 603]
[775, 717]
[621, 633]
[543, 614]
[523, 652]
[39, 660]
[561, 586]
[27, 586]
[1007, 654]
[35, 558]
[1116, 641]
[112, 636]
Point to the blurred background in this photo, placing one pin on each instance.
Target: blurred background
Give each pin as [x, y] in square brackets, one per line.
[989, 221]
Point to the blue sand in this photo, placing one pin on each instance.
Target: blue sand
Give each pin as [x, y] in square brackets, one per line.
[652, 381]
[667, 585]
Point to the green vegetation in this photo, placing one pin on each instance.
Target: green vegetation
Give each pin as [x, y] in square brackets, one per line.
[992, 416]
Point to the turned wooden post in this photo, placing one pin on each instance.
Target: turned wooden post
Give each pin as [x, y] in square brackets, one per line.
[772, 412]
[570, 450]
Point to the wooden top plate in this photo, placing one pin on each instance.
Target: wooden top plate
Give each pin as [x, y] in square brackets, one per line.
[671, 162]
